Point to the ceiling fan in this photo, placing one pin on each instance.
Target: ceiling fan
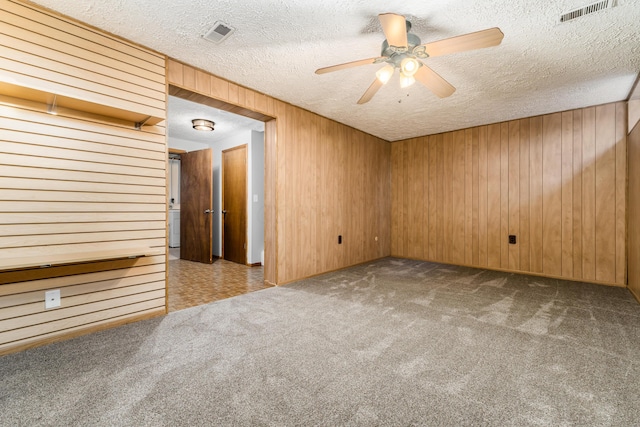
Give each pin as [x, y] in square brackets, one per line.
[401, 50]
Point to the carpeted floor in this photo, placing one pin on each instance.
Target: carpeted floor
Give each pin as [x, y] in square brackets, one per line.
[390, 343]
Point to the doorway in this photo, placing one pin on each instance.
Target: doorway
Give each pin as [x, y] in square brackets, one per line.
[220, 279]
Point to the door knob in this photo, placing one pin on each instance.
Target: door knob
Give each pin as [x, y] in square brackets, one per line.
[208, 211]
[224, 212]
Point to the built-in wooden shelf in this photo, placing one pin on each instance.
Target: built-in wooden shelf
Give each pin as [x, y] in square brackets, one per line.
[76, 258]
[67, 105]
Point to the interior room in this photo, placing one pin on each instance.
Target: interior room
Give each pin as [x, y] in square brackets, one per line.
[410, 213]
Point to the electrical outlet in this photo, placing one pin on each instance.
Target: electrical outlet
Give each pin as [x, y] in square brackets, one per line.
[340, 239]
[52, 299]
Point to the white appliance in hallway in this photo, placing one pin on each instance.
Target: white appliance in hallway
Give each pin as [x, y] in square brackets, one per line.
[174, 228]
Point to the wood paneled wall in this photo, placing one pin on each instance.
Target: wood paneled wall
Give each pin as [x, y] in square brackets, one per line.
[634, 211]
[634, 113]
[557, 182]
[80, 183]
[328, 180]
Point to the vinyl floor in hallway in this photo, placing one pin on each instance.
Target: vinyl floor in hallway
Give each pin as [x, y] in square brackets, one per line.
[192, 283]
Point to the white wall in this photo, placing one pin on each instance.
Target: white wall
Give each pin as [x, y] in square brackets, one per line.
[256, 203]
[255, 186]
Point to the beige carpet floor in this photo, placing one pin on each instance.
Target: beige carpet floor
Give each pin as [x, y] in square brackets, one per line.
[388, 343]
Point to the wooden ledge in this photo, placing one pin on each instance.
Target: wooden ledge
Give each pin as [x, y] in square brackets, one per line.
[76, 258]
[65, 105]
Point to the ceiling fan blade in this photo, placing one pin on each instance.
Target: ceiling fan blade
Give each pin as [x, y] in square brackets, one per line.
[395, 29]
[434, 82]
[471, 41]
[366, 97]
[346, 65]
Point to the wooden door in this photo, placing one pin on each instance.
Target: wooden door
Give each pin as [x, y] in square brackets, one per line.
[196, 202]
[234, 204]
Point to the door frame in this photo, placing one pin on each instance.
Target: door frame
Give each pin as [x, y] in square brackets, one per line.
[246, 204]
[270, 173]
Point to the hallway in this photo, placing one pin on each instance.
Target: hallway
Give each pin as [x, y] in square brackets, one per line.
[192, 284]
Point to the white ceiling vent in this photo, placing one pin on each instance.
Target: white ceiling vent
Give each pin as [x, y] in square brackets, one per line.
[219, 32]
[586, 10]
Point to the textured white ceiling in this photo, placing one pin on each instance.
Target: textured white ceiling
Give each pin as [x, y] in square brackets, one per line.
[181, 112]
[540, 67]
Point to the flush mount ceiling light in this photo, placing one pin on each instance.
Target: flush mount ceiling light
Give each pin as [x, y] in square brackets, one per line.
[202, 124]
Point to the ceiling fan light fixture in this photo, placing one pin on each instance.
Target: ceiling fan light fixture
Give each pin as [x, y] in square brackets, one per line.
[202, 124]
[406, 81]
[385, 73]
[409, 66]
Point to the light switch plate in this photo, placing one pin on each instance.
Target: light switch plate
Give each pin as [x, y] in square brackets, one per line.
[255, 198]
[52, 299]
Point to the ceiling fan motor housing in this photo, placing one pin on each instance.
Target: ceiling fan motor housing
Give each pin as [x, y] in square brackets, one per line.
[396, 54]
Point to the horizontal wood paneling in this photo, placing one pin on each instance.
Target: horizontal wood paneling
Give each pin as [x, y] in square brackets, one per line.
[28, 63]
[558, 182]
[73, 184]
[324, 179]
[130, 285]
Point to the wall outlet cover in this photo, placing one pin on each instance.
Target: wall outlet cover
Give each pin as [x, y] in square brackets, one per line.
[52, 299]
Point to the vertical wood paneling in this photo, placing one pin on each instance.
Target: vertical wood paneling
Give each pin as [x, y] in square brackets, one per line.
[552, 188]
[416, 198]
[440, 192]
[458, 198]
[567, 194]
[524, 197]
[577, 194]
[284, 126]
[504, 195]
[402, 213]
[306, 237]
[529, 177]
[434, 197]
[493, 196]
[396, 151]
[605, 192]
[270, 162]
[634, 211]
[425, 202]
[483, 193]
[324, 214]
[475, 198]
[589, 193]
[448, 197]
[536, 193]
[468, 197]
[514, 193]
[621, 191]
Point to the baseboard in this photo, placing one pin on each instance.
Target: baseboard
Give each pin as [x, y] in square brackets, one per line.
[332, 270]
[506, 270]
[255, 264]
[635, 294]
